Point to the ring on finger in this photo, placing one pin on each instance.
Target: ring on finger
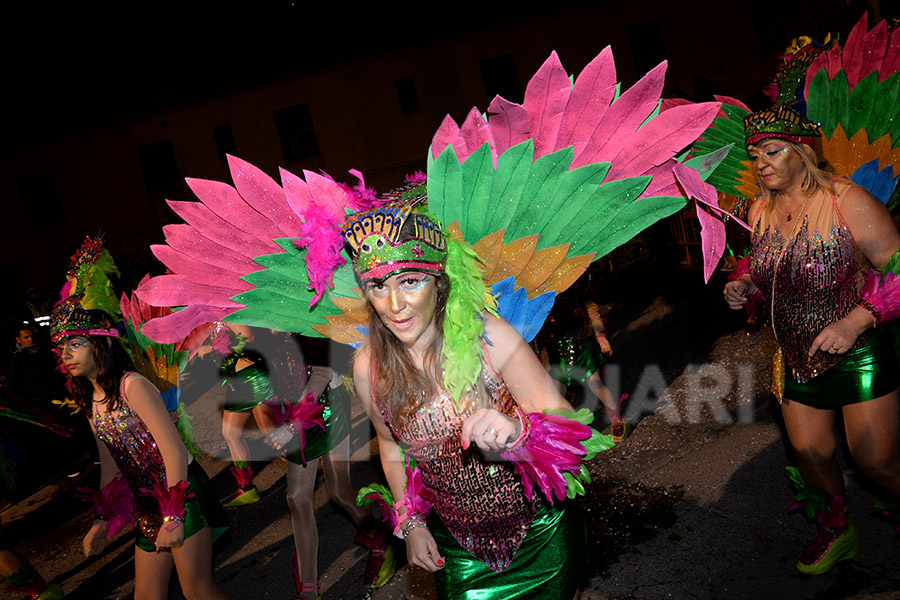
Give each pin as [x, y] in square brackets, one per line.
[492, 431]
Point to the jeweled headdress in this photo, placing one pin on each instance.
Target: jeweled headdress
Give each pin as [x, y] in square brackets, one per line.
[374, 238]
[70, 318]
[780, 121]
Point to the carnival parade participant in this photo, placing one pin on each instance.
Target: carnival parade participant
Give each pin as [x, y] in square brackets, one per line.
[814, 237]
[247, 387]
[491, 536]
[142, 455]
[317, 427]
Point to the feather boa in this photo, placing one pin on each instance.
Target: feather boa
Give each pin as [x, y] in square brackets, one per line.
[463, 323]
[171, 499]
[552, 456]
[113, 503]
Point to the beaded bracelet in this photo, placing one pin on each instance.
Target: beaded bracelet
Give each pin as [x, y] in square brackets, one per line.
[412, 523]
[873, 310]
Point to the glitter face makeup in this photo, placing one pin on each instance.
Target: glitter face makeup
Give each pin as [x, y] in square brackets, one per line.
[776, 166]
[406, 302]
[78, 357]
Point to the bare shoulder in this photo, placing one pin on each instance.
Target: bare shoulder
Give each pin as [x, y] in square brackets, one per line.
[869, 222]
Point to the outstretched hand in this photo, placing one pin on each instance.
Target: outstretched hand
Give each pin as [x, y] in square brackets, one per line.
[490, 430]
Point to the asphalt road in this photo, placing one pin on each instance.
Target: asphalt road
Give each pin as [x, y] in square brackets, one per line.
[692, 506]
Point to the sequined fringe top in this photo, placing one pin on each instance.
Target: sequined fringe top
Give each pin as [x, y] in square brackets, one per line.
[810, 280]
[480, 501]
[139, 460]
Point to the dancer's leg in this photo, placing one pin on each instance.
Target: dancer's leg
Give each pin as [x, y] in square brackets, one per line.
[233, 424]
[151, 574]
[301, 484]
[872, 434]
[193, 561]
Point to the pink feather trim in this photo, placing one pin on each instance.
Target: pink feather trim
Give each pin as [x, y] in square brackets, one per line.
[836, 517]
[114, 503]
[243, 476]
[302, 416]
[171, 499]
[552, 449]
[417, 498]
[388, 514]
[883, 293]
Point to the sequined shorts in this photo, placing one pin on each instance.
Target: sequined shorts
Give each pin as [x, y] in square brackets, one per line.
[866, 373]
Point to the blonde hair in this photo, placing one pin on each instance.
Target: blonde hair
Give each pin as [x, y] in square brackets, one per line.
[815, 180]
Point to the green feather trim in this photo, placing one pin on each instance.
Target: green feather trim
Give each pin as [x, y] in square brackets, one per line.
[377, 489]
[463, 321]
[186, 429]
[810, 500]
[98, 290]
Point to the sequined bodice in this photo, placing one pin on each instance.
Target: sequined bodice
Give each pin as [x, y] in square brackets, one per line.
[137, 457]
[480, 500]
[810, 281]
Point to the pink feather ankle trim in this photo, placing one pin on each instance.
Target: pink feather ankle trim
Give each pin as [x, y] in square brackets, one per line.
[881, 296]
[114, 503]
[552, 449]
[171, 500]
[300, 417]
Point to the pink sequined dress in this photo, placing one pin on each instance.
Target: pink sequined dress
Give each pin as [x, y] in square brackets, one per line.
[137, 457]
[811, 278]
[482, 503]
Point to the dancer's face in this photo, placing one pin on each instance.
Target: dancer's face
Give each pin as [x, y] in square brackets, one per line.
[78, 356]
[777, 163]
[406, 303]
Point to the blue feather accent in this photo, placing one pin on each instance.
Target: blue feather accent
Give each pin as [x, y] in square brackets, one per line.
[527, 316]
[880, 184]
[363, 330]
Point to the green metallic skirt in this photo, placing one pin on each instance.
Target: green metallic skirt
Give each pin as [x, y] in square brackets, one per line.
[203, 510]
[337, 427]
[868, 372]
[549, 564]
[246, 389]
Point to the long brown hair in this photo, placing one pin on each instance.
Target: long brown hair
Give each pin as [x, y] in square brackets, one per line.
[397, 382]
[112, 363]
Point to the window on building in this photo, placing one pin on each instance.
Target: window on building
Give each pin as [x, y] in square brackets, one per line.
[224, 140]
[407, 94]
[159, 167]
[298, 136]
[41, 199]
[501, 78]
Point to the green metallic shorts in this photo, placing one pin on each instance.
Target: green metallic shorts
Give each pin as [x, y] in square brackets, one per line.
[866, 373]
[549, 564]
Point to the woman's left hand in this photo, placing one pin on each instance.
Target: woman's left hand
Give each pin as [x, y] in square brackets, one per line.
[490, 430]
[166, 539]
[837, 338]
[279, 438]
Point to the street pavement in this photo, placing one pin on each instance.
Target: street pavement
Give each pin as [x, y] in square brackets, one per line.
[692, 506]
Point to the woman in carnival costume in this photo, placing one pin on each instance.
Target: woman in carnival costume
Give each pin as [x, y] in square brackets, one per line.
[538, 191]
[144, 462]
[816, 238]
[246, 379]
[492, 535]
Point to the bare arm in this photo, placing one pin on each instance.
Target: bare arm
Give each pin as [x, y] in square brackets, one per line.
[875, 235]
[144, 399]
[421, 548]
[95, 539]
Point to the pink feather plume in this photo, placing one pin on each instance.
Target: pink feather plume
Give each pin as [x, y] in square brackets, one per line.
[883, 292]
[416, 497]
[171, 499]
[553, 448]
[114, 503]
[303, 415]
